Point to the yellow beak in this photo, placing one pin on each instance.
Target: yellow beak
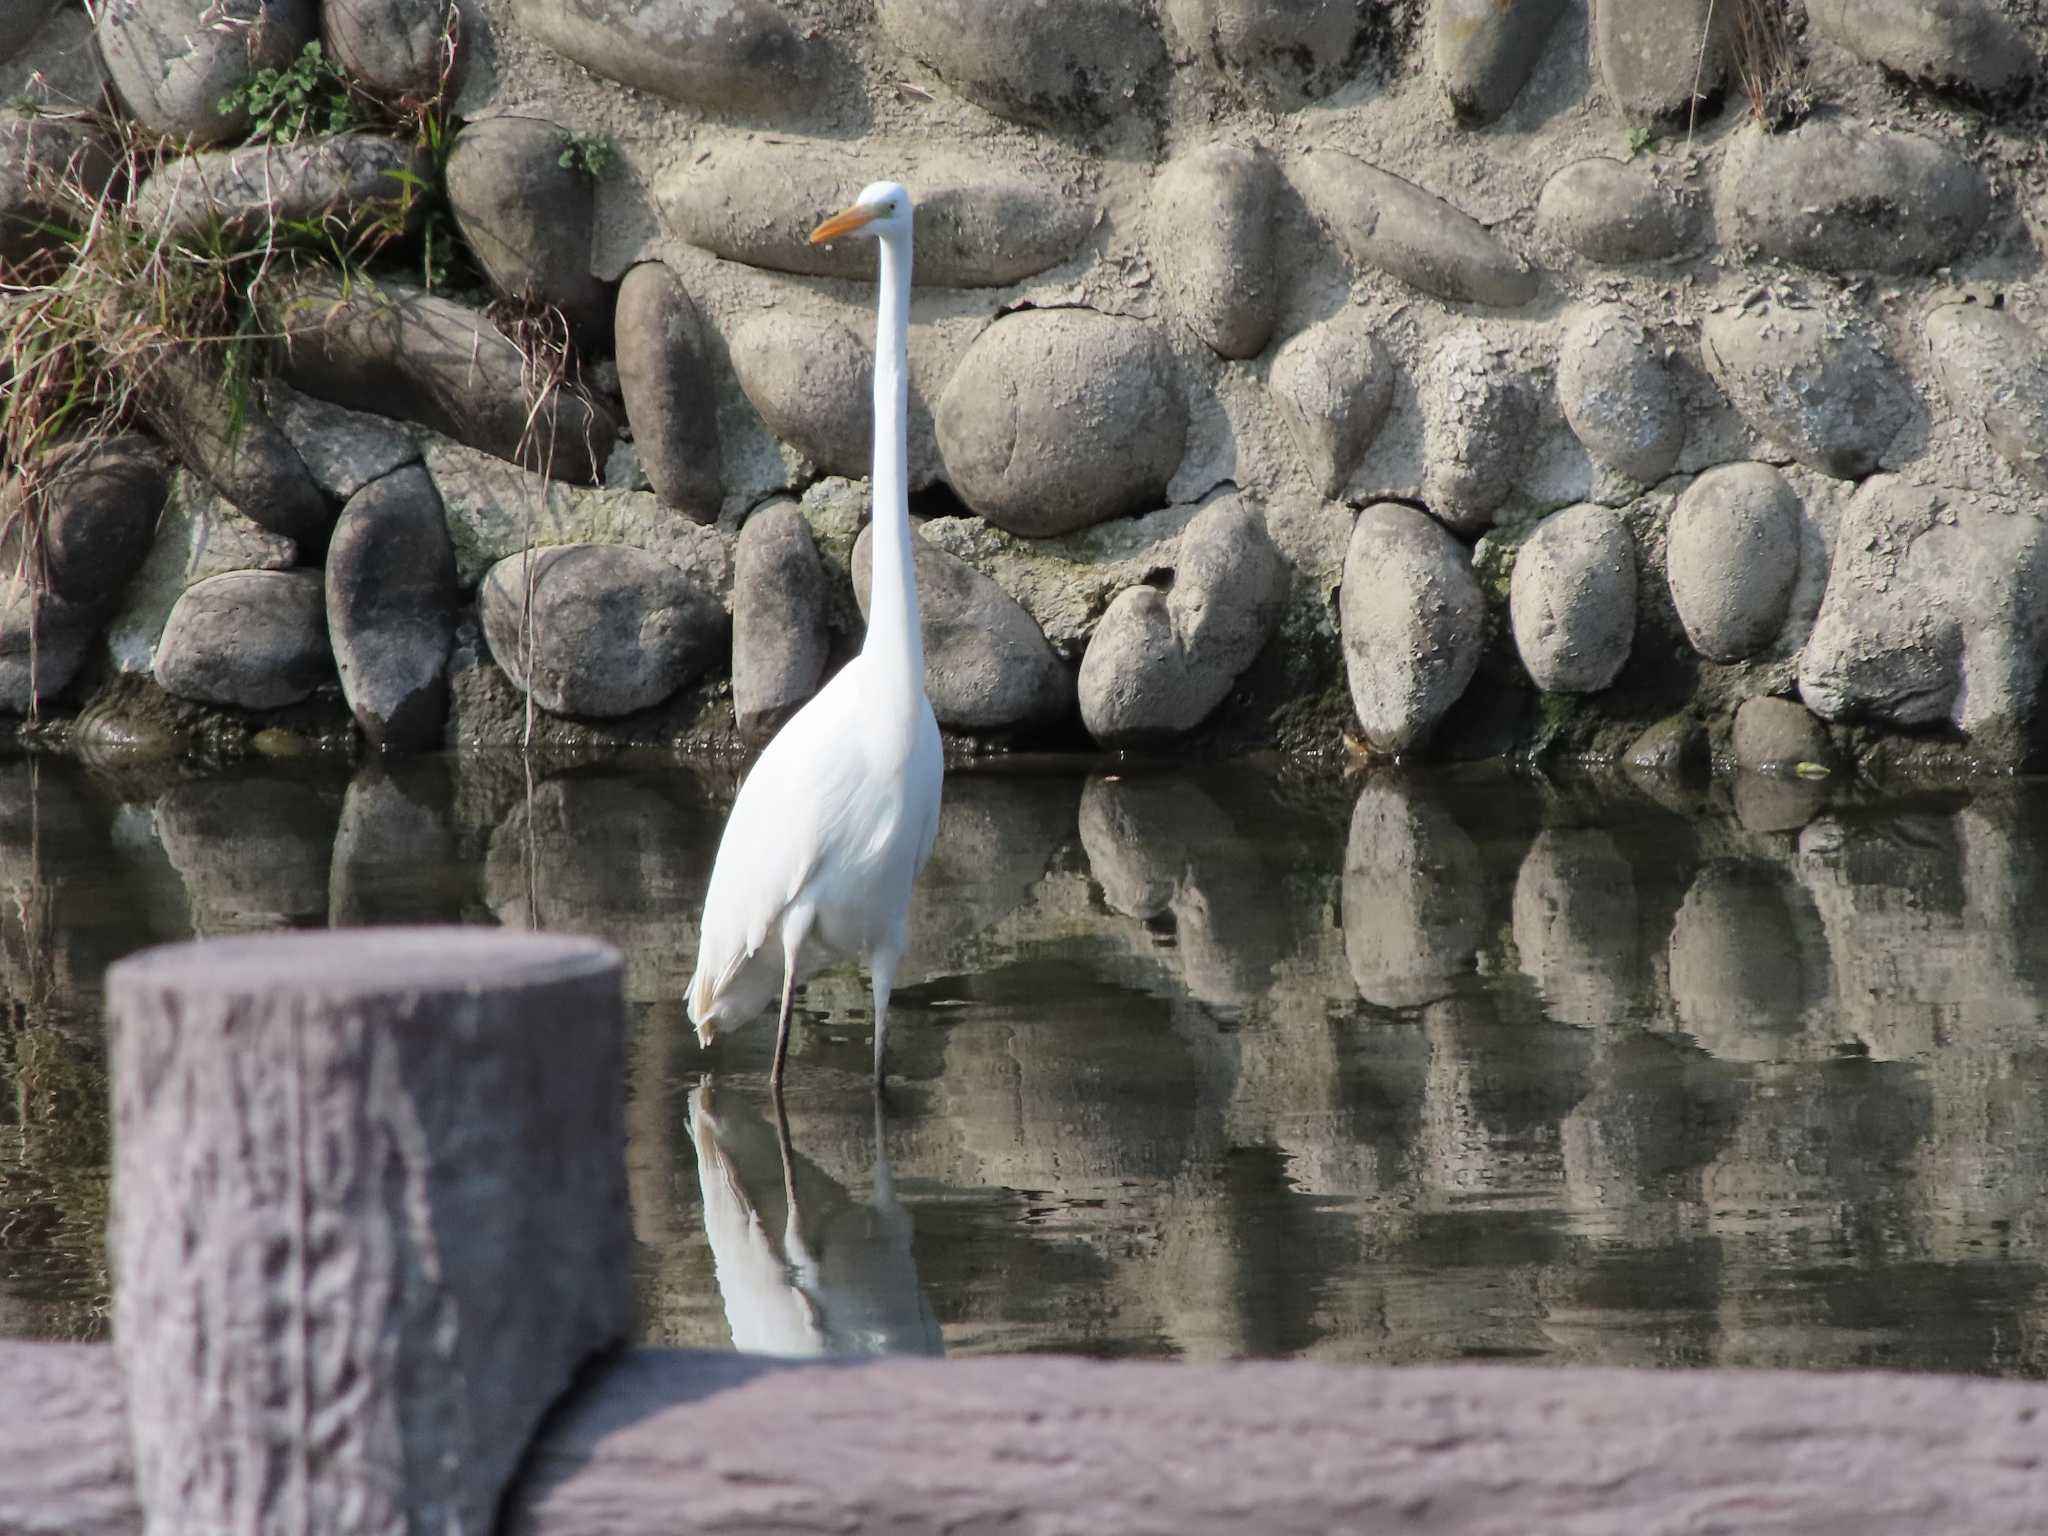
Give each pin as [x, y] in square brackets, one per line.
[842, 224]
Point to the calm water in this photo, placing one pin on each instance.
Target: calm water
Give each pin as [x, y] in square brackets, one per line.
[1207, 1064]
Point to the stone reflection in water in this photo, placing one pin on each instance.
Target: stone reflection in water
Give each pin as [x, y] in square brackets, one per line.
[253, 850]
[1766, 802]
[1656, 1114]
[803, 1267]
[997, 834]
[1045, 1098]
[1934, 924]
[1575, 925]
[1167, 852]
[1631, 1080]
[394, 850]
[1814, 1174]
[1497, 1090]
[1414, 895]
[1749, 964]
[625, 857]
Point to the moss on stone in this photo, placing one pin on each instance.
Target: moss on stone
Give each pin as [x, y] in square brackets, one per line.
[128, 715]
[487, 709]
[1493, 563]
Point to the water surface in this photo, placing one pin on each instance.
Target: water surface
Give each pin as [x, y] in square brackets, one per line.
[1205, 1064]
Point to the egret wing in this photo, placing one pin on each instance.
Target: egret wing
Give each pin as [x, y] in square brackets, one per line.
[784, 821]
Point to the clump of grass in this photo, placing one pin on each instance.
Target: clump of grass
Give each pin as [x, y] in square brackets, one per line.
[1764, 52]
[94, 318]
[87, 328]
[99, 331]
[549, 366]
[97, 328]
[593, 154]
[444, 263]
[91, 325]
[314, 96]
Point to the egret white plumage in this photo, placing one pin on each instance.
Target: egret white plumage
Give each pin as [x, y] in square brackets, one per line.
[836, 820]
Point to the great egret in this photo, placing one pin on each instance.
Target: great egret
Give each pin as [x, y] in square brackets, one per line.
[836, 820]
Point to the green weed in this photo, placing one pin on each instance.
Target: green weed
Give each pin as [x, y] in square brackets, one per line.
[592, 154]
[309, 96]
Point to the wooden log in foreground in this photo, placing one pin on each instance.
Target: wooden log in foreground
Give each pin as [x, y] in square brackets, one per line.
[666, 1443]
[369, 1218]
[67, 1467]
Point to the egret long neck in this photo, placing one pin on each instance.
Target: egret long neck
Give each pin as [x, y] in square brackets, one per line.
[894, 634]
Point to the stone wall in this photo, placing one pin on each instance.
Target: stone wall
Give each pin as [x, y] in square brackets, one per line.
[1657, 378]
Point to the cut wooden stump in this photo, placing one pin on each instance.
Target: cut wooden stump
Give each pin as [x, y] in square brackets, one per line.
[369, 1217]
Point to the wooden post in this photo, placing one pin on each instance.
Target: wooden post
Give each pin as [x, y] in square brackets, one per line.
[369, 1216]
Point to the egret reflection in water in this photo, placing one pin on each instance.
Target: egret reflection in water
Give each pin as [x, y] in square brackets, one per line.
[803, 1267]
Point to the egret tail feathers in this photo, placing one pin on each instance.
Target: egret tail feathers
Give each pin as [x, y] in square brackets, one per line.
[702, 1001]
[740, 989]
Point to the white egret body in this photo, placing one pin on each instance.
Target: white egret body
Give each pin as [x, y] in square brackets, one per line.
[835, 821]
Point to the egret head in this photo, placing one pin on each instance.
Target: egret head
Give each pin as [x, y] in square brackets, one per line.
[881, 210]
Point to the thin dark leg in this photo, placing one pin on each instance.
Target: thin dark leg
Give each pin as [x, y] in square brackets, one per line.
[885, 1178]
[792, 1229]
[782, 1029]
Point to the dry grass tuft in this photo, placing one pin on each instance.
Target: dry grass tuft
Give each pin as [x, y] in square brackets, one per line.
[548, 368]
[91, 327]
[91, 324]
[88, 322]
[1764, 52]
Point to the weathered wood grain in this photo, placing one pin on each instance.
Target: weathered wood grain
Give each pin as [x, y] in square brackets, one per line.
[369, 1218]
[65, 1464]
[671, 1442]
